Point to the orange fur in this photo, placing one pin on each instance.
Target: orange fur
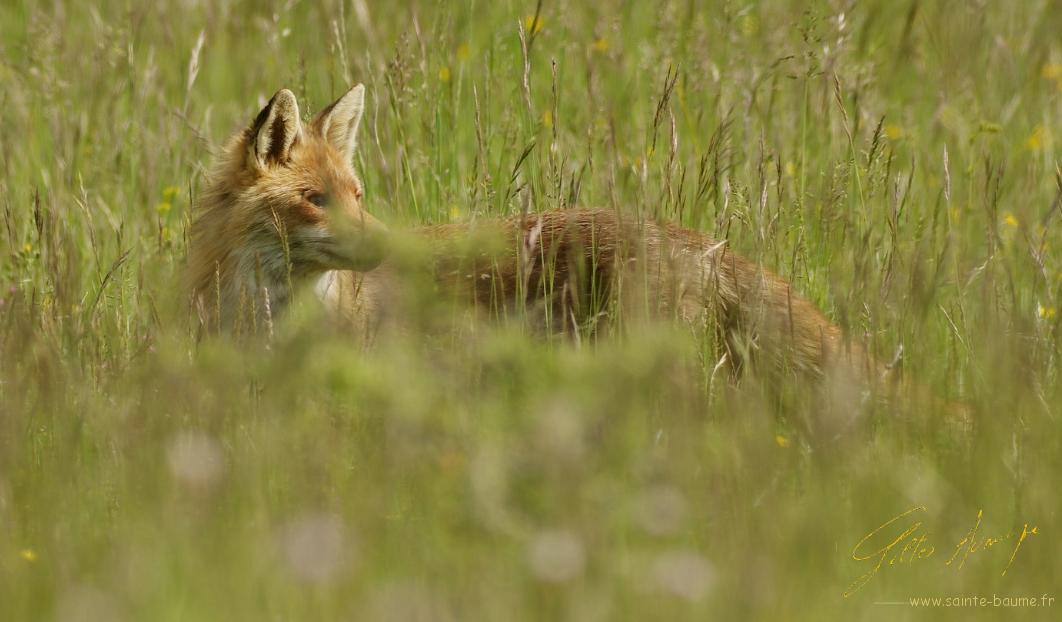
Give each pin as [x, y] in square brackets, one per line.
[257, 235]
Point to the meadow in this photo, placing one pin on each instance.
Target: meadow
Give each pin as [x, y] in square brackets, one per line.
[898, 161]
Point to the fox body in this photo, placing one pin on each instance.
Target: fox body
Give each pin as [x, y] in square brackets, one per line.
[283, 207]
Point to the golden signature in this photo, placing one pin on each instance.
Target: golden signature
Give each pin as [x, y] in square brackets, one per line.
[917, 546]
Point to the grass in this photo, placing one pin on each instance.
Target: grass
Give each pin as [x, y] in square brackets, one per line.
[898, 161]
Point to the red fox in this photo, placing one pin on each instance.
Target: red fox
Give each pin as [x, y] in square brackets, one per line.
[283, 208]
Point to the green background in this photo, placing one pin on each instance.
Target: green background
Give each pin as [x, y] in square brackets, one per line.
[898, 161]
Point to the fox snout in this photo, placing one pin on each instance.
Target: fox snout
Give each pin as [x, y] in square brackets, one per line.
[363, 244]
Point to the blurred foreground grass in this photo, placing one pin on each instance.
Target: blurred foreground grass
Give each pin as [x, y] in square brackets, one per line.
[899, 161]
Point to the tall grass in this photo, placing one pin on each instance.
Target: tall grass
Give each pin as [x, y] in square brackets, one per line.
[898, 161]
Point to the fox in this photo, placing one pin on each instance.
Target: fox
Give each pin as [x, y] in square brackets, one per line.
[283, 210]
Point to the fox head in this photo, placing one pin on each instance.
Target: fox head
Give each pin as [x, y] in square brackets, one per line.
[299, 186]
[282, 204]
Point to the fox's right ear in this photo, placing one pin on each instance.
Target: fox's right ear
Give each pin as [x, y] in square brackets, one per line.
[275, 130]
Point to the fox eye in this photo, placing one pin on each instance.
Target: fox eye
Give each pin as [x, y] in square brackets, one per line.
[317, 199]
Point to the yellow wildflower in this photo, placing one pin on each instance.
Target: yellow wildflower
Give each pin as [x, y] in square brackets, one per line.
[463, 52]
[1052, 71]
[601, 45]
[534, 25]
[782, 441]
[1036, 139]
[1009, 219]
[1045, 313]
[894, 132]
[27, 248]
[444, 74]
[547, 119]
[750, 24]
[28, 554]
[790, 169]
[170, 192]
[163, 208]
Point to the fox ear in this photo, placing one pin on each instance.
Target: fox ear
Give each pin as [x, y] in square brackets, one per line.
[338, 123]
[275, 129]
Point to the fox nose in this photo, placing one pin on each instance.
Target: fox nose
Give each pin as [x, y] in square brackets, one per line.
[372, 247]
[372, 226]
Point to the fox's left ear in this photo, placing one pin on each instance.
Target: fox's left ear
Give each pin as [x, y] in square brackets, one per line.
[338, 123]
